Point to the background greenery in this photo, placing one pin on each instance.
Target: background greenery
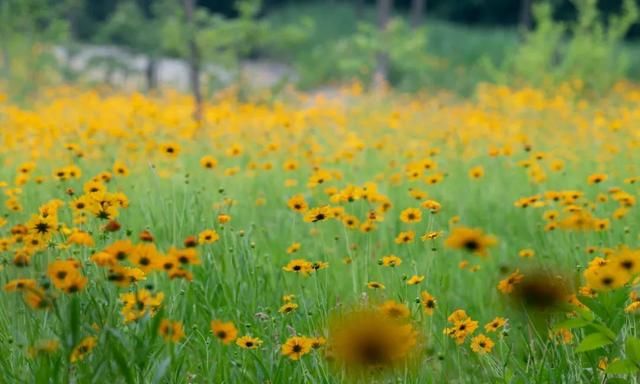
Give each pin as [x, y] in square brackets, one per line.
[459, 45]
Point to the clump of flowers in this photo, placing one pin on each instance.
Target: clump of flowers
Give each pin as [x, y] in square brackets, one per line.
[371, 339]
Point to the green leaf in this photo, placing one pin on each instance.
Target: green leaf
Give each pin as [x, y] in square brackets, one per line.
[632, 349]
[123, 365]
[593, 341]
[161, 370]
[74, 320]
[604, 330]
[571, 324]
[586, 313]
[622, 367]
[617, 380]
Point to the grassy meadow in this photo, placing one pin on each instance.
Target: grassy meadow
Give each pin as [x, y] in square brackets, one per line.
[368, 237]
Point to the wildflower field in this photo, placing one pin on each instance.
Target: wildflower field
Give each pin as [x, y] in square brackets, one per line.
[367, 238]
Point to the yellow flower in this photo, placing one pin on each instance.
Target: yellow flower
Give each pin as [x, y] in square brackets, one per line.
[288, 308]
[405, 237]
[208, 236]
[80, 238]
[481, 344]
[526, 253]
[299, 266]
[208, 162]
[428, 302]
[248, 342]
[20, 285]
[318, 214]
[288, 298]
[296, 346]
[431, 235]
[507, 285]
[411, 215]
[596, 178]
[461, 329]
[394, 309]
[120, 168]
[495, 324]
[224, 218]
[375, 285]
[226, 332]
[607, 277]
[297, 203]
[563, 335]
[82, 350]
[391, 261]
[370, 340]
[293, 248]
[471, 240]
[171, 330]
[415, 279]
[170, 149]
[317, 342]
[476, 172]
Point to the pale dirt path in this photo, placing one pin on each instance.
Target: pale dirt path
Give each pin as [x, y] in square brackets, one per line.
[125, 69]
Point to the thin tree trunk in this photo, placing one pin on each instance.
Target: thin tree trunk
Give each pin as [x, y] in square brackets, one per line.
[194, 62]
[382, 66]
[151, 73]
[359, 7]
[525, 15]
[417, 12]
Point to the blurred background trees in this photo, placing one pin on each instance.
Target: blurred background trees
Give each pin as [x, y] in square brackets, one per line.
[410, 44]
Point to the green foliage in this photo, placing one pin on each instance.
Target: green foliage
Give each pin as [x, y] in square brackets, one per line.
[588, 50]
[130, 27]
[224, 42]
[593, 53]
[27, 29]
[355, 56]
[537, 57]
[444, 55]
[593, 341]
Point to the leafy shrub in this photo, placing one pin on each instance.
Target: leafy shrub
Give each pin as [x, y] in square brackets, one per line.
[555, 52]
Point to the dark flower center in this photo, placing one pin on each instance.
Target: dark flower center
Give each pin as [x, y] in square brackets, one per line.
[371, 353]
[42, 227]
[471, 245]
[627, 264]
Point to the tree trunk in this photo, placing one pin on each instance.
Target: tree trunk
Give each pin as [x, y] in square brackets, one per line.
[382, 66]
[359, 7]
[194, 61]
[525, 15]
[417, 12]
[151, 73]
